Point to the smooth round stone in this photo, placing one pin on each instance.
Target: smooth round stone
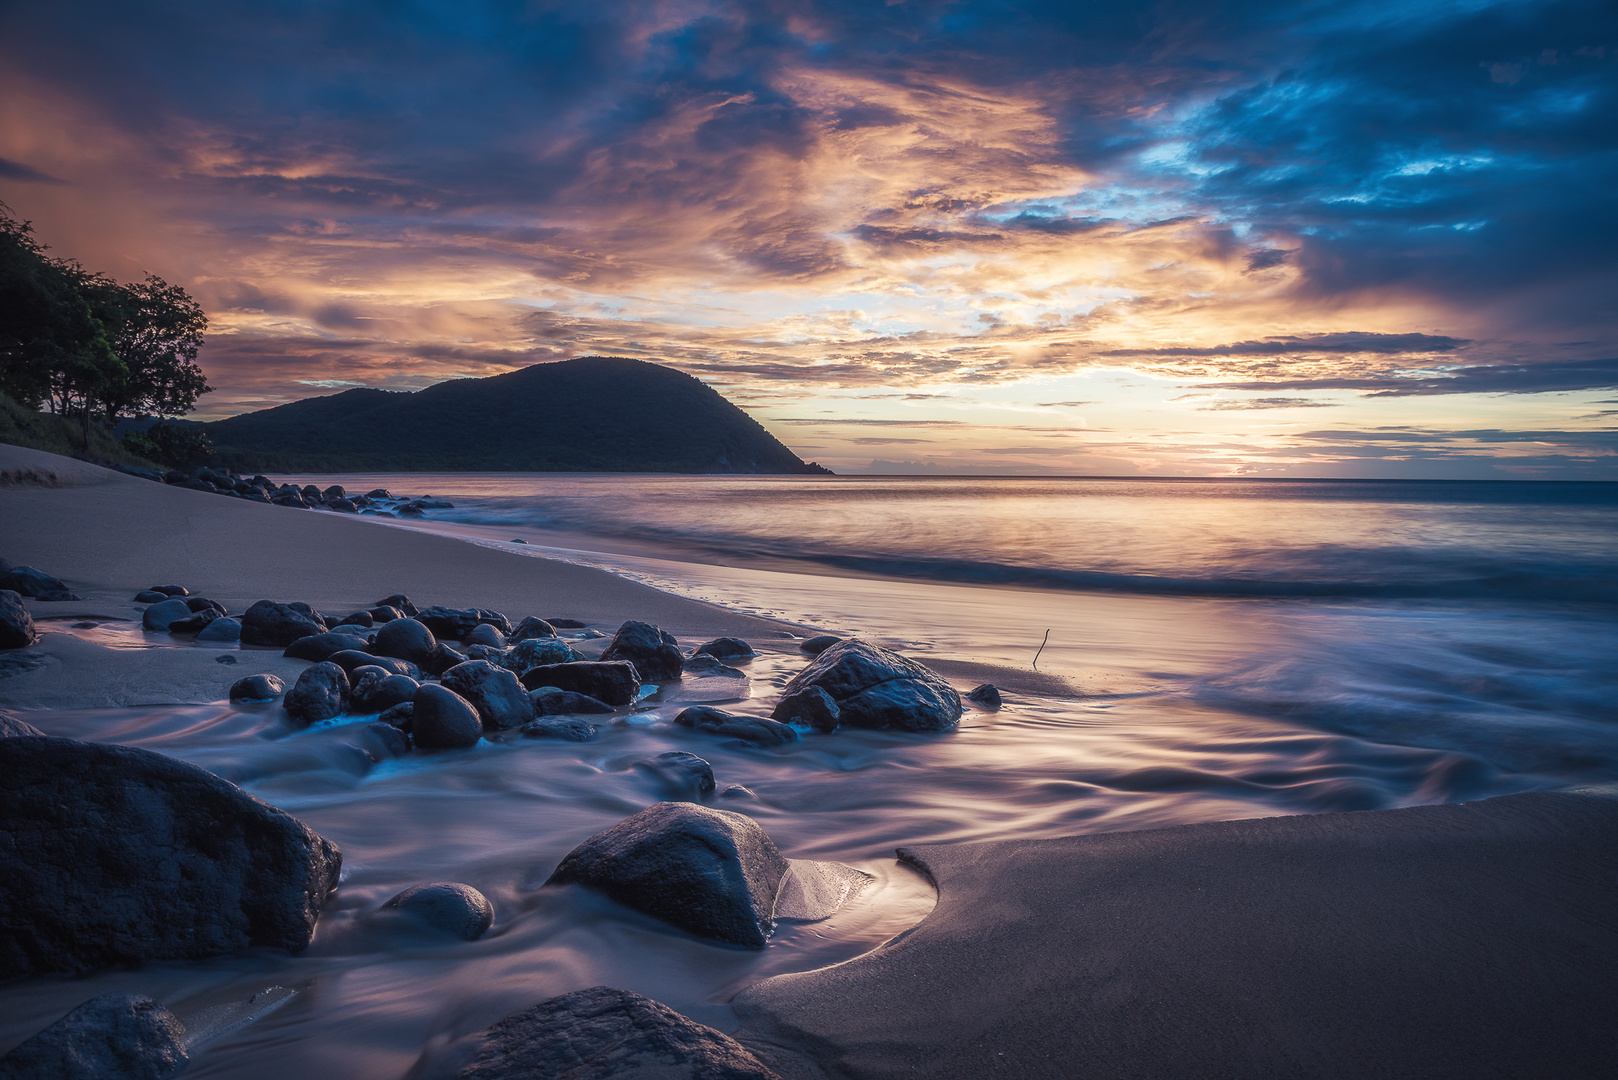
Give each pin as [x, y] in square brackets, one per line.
[150, 596]
[817, 645]
[162, 616]
[456, 909]
[443, 720]
[406, 639]
[223, 630]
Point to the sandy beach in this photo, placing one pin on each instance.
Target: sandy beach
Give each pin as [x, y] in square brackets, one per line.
[1471, 940]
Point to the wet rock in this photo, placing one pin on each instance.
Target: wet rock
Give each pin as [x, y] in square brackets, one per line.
[494, 692]
[753, 729]
[150, 596]
[336, 491]
[379, 493]
[567, 624]
[200, 604]
[257, 688]
[400, 602]
[401, 716]
[705, 664]
[171, 590]
[726, 648]
[458, 910]
[11, 727]
[224, 658]
[615, 682]
[221, 630]
[591, 635]
[359, 618]
[112, 1037]
[484, 634]
[160, 617]
[810, 705]
[354, 659]
[494, 656]
[442, 659]
[116, 856]
[443, 720]
[406, 639]
[318, 647]
[458, 622]
[986, 695]
[270, 623]
[382, 613]
[377, 690]
[601, 1033]
[876, 688]
[536, 652]
[655, 653]
[26, 581]
[530, 628]
[549, 701]
[320, 693]
[684, 775]
[713, 873]
[16, 624]
[569, 728]
[816, 645]
[193, 623]
[519, 540]
[342, 506]
[388, 739]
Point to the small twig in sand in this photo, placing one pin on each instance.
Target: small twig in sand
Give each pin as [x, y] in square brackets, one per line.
[1041, 649]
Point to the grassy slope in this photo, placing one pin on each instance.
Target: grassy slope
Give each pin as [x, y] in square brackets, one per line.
[21, 426]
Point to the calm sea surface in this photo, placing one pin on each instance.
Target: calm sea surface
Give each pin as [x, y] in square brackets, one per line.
[1237, 649]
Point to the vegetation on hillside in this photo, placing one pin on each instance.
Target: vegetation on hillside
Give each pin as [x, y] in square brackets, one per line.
[22, 426]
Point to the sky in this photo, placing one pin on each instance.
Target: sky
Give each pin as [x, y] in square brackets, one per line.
[1349, 238]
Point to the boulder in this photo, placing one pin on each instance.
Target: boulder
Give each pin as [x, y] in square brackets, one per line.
[221, 630]
[16, 624]
[406, 639]
[200, 604]
[359, 618]
[455, 909]
[986, 695]
[816, 645]
[342, 506]
[615, 682]
[655, 653]
[376, 690]
[536, 652]
[150, 596]
[318, 647]
[713, 873]
[379, 493]
[681, 774]
[257, 688]
[549, 701]
[567, 624]
[117, 856]
[726, 648]
[443, 720]
[706, 664]
[484, 634]
[753, 729]
[390, 740]
[320, 693]
[171, 590]
[568, 728]
[442, 658]
[26, 581]
[399, 602]
[601, 1033]
[458, 622]
[494, 692]
[11, 727]
[401, 716]
[336, 491]
[270, 623]
[809, 705]
[530, 627]
[161, 616]
[876, 688]
[354, 659]
[112, 1037]
[382, 613]
[486, 652]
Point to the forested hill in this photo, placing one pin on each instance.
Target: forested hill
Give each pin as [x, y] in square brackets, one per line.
[593, 414]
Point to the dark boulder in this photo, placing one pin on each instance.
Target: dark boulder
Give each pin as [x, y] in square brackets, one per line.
[816, 645]
[568, 728]
[875, 688]
[458, 622]
[221, 630]
[407, 639]
[389, 740]
[26, 581]
[443, 720]
[726, 648]
[11, 727]
[376, 690]
[566, 624]
[117, 855]
[320, 693]
[150, 596]
[112, 1037]
[172, 590]
[200, 604]
[616, 682]
[494, 692]
[602, 1033]
[536, 652]
[382, 613]
[495, 656]
[161, 616]
[399, 602]
[549, 701]
[342, 506]
[16, 624]
[448, 906]
[655, 653]
[753, 729]
[706, 664]
[401, 716]
[270, 623]
[318, 647]
[359, 618]
[530, 627]
[713, 873]
[682, 775]
[379, 493]
[257, 688]
[484, 634]
[354, 659]
[336, 491]
[194, 623]
[809, 705]
[986, 695]
[442, 658]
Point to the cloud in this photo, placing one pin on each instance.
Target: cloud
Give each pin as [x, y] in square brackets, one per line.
[1349, 342]
[1265, 403]
[16, 170]
[1534, 378]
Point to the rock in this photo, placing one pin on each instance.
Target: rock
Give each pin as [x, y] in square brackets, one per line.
[391, 740]
[519, 540]
[458, 622]
[194, 623]
[16, 624]
[812, 706]
[443, 720]
[497, 657]
[655, 654]
[354, 659]
[567, 624]
[359, 618]
[549, 701]
[601, 1033]
[817, 645]
[442, 659]
[382, 613]
[171, 590]
[161, 616]
[26, 581]
[224, 658]
[758, 731]
[615, 682]
[484, 634]
[458, 910]
[257, 688]
[706, 664]
[150, 596]
[336, 491]
[684, 775]
[112, 1037]
[270, 623]
[342, 506]
[116, 856]
[401, 716]
[530, 627]
[726, 648]
[400, 602]
[318, 647]
[10, 727]
[536, 652]
[320, 693]
[200, 604]
[713, 873]
[986, 695]
[379, 493]
[406, 639]
[875, 688]
[570, 728]
[221, 630]
[494, 692]
[376, 690]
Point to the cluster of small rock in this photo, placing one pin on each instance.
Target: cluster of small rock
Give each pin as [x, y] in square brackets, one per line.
[259, 488]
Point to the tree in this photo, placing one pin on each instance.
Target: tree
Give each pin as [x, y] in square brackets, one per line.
[158, 332]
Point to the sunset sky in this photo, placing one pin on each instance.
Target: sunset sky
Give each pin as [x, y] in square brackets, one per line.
[1279, 239]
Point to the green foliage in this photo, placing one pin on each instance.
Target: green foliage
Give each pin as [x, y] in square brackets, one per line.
[171, 445]
[22, 426]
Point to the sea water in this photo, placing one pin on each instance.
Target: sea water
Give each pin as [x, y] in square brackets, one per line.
[1226, 649]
